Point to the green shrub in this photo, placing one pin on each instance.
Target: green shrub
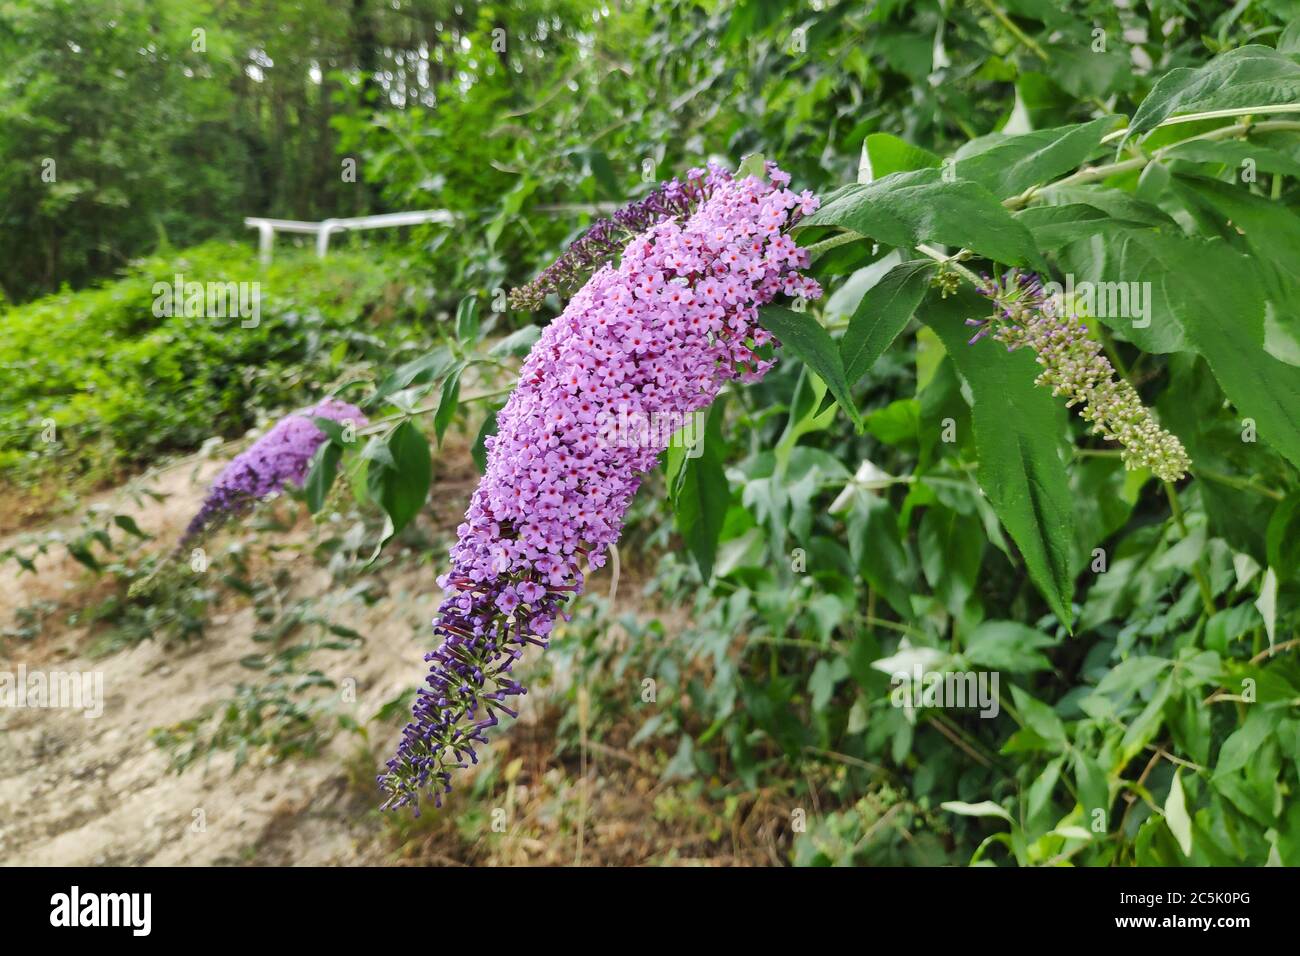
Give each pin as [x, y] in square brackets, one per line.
[115, 385]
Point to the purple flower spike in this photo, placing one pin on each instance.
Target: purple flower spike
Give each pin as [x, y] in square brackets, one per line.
[651, 338]
[280, 457]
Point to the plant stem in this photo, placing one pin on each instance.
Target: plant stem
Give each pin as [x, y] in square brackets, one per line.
[840, 239]
[1092, 174]
[377, 425]
[953, 260]
[1211, 114]
[1009, 25]
[1284, 646]
[1232, 481]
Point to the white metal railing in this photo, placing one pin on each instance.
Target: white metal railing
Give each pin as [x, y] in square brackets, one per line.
[267, 228]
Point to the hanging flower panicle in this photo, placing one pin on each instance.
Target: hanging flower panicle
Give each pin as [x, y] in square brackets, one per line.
[1075, 367]
[655, 335]
[280, 457]
[605, 240]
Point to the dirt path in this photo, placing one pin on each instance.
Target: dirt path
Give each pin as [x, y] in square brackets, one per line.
[78, 790]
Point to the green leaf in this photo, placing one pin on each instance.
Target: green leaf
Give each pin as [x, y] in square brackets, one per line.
[1038, 801]
[703, 495]
[321, 477]
[1008, 646]
[825, 676]
[752, 165]
[881, 315]
[1146, 725]
[1266, 604]
[1018, 429]
[1083, 71]
[1132, 674]
[878, 550]
[804, 336]
[905, 209]
[1114, 202]
[1247, 76]
[1216, 295]
[1056, 226]
[897, 423]
[682, 766]
[479, 451]
[1272, 230]
[1235, 153]
[426, 368]
[127, 524]
[1176, 818]
[1039, 717]
[402, 489]
[1283, 536]
[1092, 785]
[467, 319]
[986, 808]
[448, 403]
[951, 546]
[517, 343]
[1099, 261]
[1011, 165]
[883, 154]
[81, 552]
[329, 428]
[597, 164]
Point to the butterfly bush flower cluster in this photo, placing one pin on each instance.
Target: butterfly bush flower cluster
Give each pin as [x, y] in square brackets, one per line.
[1074, 367]
[280, 457]
[655, 335]
[606, 238]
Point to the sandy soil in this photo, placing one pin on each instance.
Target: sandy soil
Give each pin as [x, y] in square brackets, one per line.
[76, 790]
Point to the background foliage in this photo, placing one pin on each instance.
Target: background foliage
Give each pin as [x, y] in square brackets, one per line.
[1144, 632]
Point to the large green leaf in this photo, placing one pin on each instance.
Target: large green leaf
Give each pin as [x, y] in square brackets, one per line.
[909, 208]
[517, 343]
[878, 550]
[804, 336]
[402, 487]
[883, 154]
[1271, 229]
[1115, 202]
[1055, 226]
[952, 546]
[448, 403]
[479, 450]
[467, 322]
[1114, 263]
[426, 368]
[1247, 76]
[1018, 428]
[1039, 717]
[881, 314]
[1237, 154]
[1012, 165]
[1008, 646]
[702, 495]
[1217, 296]
[321, 477]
